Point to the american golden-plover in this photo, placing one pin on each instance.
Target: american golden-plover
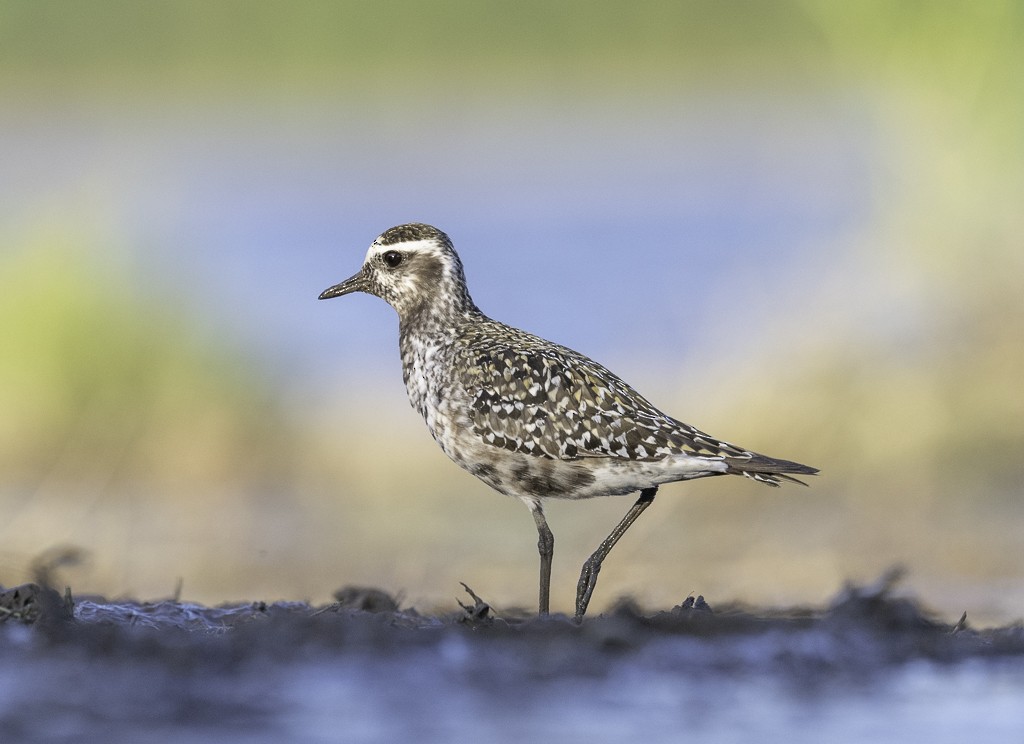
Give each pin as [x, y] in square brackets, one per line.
[530, 418]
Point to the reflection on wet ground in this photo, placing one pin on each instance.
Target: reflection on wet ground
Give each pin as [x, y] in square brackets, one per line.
[870, 664]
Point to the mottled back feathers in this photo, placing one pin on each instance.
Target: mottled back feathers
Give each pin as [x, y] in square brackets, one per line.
[532, 396]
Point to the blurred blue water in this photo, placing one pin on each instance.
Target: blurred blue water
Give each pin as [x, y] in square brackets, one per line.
[921, 702]
[610, 225]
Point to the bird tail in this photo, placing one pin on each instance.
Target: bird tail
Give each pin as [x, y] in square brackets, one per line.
[768, 470]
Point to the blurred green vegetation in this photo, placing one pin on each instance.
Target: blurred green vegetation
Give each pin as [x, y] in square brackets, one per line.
[405, 44]
[100, 377]
[258, 44]
[919, 432]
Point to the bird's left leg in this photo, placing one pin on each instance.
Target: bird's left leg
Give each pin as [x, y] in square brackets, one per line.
[588, 576]
[546, 548]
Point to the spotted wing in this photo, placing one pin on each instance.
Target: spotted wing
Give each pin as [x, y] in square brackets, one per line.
[531, 396]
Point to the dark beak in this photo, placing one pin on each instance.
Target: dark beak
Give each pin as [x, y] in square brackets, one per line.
[355, 283]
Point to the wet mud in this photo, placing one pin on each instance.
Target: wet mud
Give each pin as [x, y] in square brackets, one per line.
[366, 669]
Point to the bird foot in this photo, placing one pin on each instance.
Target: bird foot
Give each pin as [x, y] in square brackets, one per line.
[585, 587]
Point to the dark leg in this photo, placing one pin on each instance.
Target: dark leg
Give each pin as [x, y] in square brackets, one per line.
[588, 576]
[546, 548]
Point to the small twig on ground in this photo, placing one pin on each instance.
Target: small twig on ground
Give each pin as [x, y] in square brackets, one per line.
[479, 611]
[961, 624]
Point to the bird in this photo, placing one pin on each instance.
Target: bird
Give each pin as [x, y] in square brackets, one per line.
[532, 419]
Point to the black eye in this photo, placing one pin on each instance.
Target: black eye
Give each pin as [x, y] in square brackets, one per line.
[392, 259]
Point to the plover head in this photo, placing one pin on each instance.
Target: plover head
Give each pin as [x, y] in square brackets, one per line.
[415, 269]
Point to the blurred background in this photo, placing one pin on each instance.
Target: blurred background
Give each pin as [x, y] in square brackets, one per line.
[796, 225]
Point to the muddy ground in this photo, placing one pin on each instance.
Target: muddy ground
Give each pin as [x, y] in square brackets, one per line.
[867, 665]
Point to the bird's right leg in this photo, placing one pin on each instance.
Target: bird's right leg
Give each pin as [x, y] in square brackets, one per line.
[588, 576]
[546, 548]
